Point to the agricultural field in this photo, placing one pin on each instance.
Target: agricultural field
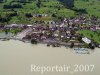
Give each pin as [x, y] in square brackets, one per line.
[15, 12]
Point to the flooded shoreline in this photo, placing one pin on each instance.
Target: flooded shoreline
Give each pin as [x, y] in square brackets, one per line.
[51, 35]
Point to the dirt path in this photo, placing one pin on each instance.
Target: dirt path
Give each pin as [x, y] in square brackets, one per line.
[23, 33]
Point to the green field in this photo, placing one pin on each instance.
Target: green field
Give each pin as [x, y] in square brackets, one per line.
[91, 35]
[47, 7]
[91, 6]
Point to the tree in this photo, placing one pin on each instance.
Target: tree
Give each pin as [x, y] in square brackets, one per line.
[6, 6]
[12, 6]
[91, 45]
[2, 1]
[34, 41]
[0, 17]
[38, 3]
[72, 45]
[79, 38]
[80, 10]
[68, 3]
[16, 6]
[73, 32]
[54, 15]
[21, 1]
[28, 15]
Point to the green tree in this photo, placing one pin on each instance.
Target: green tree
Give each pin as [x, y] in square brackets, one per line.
[68, 3]
[38, 3]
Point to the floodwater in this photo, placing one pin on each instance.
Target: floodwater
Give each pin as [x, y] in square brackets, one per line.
[16, 58]
[3, 35]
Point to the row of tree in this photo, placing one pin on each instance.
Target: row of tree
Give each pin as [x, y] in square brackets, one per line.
[68, 3]
[7, 17]
[12, 6]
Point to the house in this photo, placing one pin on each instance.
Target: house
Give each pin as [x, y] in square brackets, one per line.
[86, 40]
[97, 27]
[29, 25]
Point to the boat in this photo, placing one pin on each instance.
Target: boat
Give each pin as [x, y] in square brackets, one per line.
[81, 51]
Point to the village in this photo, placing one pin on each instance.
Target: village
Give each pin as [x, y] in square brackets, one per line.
[62, 33]
[49, 37]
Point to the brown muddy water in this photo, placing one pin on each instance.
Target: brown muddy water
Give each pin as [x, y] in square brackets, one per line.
[17, 57]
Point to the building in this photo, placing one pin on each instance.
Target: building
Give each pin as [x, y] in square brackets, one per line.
[86, 40]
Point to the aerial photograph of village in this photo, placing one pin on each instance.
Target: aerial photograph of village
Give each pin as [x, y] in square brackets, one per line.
[46, 36]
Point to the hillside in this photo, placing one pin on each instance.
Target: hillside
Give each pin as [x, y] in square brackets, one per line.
[91, 6]
[26, 11]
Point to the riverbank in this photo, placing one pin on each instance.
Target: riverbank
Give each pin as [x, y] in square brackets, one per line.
[76, 31]
[53, 36]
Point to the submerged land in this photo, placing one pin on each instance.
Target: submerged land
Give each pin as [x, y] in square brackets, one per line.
[54, 22]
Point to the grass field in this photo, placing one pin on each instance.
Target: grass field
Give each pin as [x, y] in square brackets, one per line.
[91, 35]
[91, 6]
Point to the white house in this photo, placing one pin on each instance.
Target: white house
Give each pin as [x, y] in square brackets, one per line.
[86, 40]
